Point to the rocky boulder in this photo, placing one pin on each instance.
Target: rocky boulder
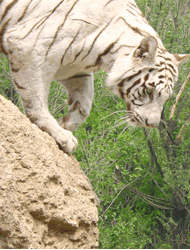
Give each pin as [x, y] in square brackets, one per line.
[46, 201]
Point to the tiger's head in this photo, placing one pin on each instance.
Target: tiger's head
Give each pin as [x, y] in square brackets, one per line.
[145, 79]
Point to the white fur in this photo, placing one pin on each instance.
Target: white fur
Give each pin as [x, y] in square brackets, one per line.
[67, 39]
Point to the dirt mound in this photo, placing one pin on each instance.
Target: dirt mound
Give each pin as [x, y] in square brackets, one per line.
[46, 201]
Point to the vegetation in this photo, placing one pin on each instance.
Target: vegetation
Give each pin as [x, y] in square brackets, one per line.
[140, 175]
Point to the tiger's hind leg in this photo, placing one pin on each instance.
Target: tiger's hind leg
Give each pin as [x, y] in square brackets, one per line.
[32, 76]
[80, 89]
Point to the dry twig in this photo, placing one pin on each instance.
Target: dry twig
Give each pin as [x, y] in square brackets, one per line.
[178, 96]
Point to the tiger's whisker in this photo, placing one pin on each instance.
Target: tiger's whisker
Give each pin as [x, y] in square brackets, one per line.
[118, 125]
[116, 112]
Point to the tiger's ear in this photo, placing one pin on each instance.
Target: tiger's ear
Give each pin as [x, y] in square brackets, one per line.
[147, 49]
[181, 58]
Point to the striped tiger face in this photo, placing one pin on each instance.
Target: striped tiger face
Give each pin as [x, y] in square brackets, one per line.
[145, 99]
[146, 81]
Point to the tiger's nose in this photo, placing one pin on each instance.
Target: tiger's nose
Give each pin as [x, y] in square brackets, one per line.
[153, 120]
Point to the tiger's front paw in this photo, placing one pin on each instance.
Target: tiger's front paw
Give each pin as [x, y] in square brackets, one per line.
[69, 122]
[66, 140]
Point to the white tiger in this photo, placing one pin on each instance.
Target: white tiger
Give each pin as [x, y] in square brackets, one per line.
[68, 40]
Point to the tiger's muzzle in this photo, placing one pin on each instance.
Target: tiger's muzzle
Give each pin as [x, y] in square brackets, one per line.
[147, 115]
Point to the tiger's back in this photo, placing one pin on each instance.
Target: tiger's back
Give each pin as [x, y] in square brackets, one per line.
[69, 40]
[52, 17]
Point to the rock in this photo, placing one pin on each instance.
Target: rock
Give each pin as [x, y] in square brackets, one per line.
[46, 201]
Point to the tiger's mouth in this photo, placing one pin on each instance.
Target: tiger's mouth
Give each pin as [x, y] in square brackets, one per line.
[135, 120]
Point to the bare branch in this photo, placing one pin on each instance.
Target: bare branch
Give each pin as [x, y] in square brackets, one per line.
[161, 190]
[153, 200]
[153, 154]
[120, 193]
[178, 96]
[155, 205]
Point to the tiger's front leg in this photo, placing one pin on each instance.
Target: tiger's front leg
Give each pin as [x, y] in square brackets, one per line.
[80, 89]
[32, 76]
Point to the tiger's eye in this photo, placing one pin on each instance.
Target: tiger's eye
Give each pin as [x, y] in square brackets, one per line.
[149, 91]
